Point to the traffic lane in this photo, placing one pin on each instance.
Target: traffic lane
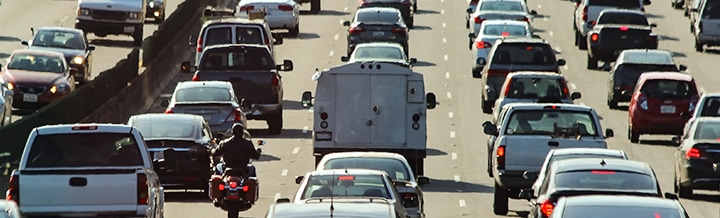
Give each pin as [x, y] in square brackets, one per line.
[593, 85]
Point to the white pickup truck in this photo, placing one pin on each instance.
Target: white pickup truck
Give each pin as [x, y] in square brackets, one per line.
[86, 170]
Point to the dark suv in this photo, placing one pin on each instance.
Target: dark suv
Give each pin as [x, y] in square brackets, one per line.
[511, 55]
[378, 24]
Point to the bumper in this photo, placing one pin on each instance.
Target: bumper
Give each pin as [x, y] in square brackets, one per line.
[658, 124]
[92, 26]
[263, 111]
[700, 177]
[713, 40]
[480, 53]
[622, 95]
[282, 21]
[20, 102]
[605, 53]
[512, 179]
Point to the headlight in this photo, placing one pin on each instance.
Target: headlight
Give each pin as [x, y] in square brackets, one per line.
[10, 86]
[78, 60]
[59, 88]
[83, 11]
[134, 15]
[151, 4]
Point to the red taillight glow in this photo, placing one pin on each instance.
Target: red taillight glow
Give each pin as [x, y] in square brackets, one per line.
[507, 88]
[692, 153]
[623, 28]
[399, 30]
[142, 189]
[500, 158]
[233, 184]
[505, 34]
[275, 81]
[547, 207]
[84, 127]
[346, 178]
[199, 44]
[169, 111]
[357, 29]
[602, 172]
[323, 116]
[482, 45]
[594, 37]
[13, 189]
[478, 20]
[585, 14]
[238, 115]
[552, 107]
[285, 7]
[247, 8]
[221, 187]
[196, 78]
[246, 188]
[501, 151]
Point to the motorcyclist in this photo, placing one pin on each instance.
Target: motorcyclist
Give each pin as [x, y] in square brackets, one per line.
[237, 151]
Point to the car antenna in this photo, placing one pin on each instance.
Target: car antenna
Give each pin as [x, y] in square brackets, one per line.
[332, 193]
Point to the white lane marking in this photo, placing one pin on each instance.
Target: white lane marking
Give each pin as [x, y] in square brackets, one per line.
[565, 67]
[305, 129]
[277, 196]
[311, 110]
[444, 40]
[442, 0]
[447, 75]
[442, 11]
[452, 134]
[345, 9]
[296, 150]
[445, 57]
[539, 6]
[583, 104]
[545, 19]
[284, 172]
[449, 95]
[573, 86]
[444, 25]
[65, 18]
[558, 49]
[337, 36]
[454, 156]
[702, 90]
[551, 33]
[462, 203]
[450, 114]
[457, 178]
[332, 53]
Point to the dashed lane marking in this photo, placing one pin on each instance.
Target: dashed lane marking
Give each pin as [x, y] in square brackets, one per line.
[277, 196]
[442, 11]
[452, 134]
[296, 150]
[558, 49]
[539, 6]
[444, 40]
[545, 19]
[284, 172]
[462, 203]
[447, 75]
[583, 104]
[565, 67]
[450, 114]
[457, 178]
[345, 9]
[573, 86]
[337, 36]
[445, 57]
[454, 156]
[444, 25]
[551, 33]
[311, 110]
[341, 21]
[449, 95]
[305, 129]
[332, 53]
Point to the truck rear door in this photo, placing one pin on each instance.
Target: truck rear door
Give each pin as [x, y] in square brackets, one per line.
[352, 106]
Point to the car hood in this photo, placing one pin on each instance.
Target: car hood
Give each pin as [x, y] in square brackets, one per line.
[113, 5]
[68, 53]
[32, 77]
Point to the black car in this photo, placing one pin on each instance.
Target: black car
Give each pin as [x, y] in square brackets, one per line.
[697, 161]
[377, 25]
[407, 8]
[615, 31]
[156, 10]
[188, 137]
[584, 176]
[628, 67]
[618, 206]
[68, 41]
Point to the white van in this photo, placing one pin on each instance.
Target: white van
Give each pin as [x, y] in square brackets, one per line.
[706, 26]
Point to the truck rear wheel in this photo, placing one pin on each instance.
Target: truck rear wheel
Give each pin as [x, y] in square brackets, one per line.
[500, 201]
[138, 37]
[275, 125]
[315, 6]
[418, 166]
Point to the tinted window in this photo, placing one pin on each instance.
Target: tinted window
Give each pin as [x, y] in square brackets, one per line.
[711, 107]
[218, 36]
[605, 179]
[649, 58]
[578, 156]
[59, 39]
[620, 211]
[38, 63]
[712, 10]
[524, 54]
[633, 71]
[393, 167]
[547, 122]
[367, 52]
[526, 87]
[501, 6]
[247, 59]
[249, 35]
[346, 186]
[373, 16]
[660, 88]
[504, 30]
[202, 94]
[707, 130]
[623, 18]
[631, 4]
[84, 150]
[165, 129]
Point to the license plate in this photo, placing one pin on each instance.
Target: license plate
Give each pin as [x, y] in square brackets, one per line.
[378, 33]
[129, 29]
[667, 109]
[159, 155]
[30, 98]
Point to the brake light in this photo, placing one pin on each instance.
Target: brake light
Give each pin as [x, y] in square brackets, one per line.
[247, 8]
[585, 14]
[275, 81]
[547, 207]
[482, 45]
[693, 153]
[565, 90]
[410, 200]
[84, 127]
[399, 30]
[551, 107]
[602, 172]
[196, 78]
[502, 73]
[285, 7]
[357, 29]
[500, 157]
[13, 189]
[505, 34]
[246, 188]
[142, 189]
[623, 28]
[642, 100]
[594, 37]
[524, 19]
[169, 111]
[346, 178]
[236, 116]
[221, 187]
[507, 88]
[233, 184]
[199, 44]
[478, 20]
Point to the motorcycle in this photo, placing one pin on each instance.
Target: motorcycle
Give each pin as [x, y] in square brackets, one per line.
[234, 190]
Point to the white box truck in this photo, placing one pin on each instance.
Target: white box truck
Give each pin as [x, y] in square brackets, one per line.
[370, 106]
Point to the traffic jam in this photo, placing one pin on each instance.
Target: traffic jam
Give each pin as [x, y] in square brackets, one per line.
[543, 151]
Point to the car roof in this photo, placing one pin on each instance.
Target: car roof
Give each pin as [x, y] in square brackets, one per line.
[627, 56]
[357, 208]
[619, 10]
[364, 154]
[38, 52]
[231, 20]
[597, 164]
[57, 28]
[665, 75]
[194, 84]
[541, 106]
[378, 9]
[508, 22]
[356, 172]
[150, 117]
[575, 151]
[380, 44]
[620, 200]
[226, 46]
[548, 74]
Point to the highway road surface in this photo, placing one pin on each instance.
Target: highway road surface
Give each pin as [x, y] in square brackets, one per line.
[456, 163]
[18, 16]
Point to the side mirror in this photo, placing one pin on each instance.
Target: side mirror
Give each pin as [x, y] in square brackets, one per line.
[344, 59]
[536, 36]
[431, 100]
[676, 140]
[647, 2]
[422, 180]
[609, 133]
[685, 115]
[282, 200]
[278, 39]
[413, 60]
[671, 196]
[561, 62]
[165, 102]
[288, 65]
[32, 31]
[653, 25]
[469, 11]
[533, 13]
[261, 142]
[306, 99]
[490, 129]
[25, 43]
[91, 48]
[299, 179]
[472, 36]
[186, 67]
[682, 67]
[529, 176]
[575, 95]
[346, 23]
[527, 194]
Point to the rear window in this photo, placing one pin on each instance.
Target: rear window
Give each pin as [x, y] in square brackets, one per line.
[346, 186]
[537, 88]
[707, 130]
[524, 54]
[605, 179]
[649, 58]
[623, 18]
[501, 6]
[578, 156]
[373, 16]
[661, 88]
[218, 36]
[249, 35]
[633, 71]
[620, 211]
[163, 129]
[84, 150]
[548, 122]
[628, 4]
[243, 59]
[712, 10]
[505, 30]
[394, 168]
[378, 52]
[711, 108]
[200, 94]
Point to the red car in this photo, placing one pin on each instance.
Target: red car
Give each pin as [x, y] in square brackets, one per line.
[657, 102]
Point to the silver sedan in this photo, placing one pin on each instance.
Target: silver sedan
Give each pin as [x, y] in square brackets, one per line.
[279, 14]
[500, 10]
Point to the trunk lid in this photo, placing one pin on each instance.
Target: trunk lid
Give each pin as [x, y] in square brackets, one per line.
[528, 152]
[215, 113]
[253, 86]
[378, 31]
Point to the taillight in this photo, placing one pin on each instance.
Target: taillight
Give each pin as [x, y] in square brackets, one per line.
[624, 28]
[478, 20]
[285, 7]
[199, 44]
[196, 78]
[169, 111]
[275, 81]
[500, 157]
[592, 23]
[399, 30]
[236, 116]
[585, 14]
[233, 184]
[507, 88]
[594, 37]
[642, 101]
[247, 8]
[142, 189]
[546, 207]
[693, 153]
[482, 45]
[502, 73]
[524, 19]
[13, 192]
[357, 29]
[565, 90]
[246, 188]
[362, 2]
[410, 200]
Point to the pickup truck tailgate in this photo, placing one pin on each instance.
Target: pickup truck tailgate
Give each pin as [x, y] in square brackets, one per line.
[527, 153]
[624, 36]
[78, 188]
[261, 87]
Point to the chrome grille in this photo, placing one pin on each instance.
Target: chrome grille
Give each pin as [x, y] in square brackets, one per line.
[109, 15]
[32, 90]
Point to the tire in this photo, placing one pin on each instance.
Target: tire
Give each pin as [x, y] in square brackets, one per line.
[676, 5]
[592, 64]
[489, 164]
[467, 24]
[233, 211]
[682, 191]
[686, 13]
[698, 46]
[612, 103]
[500, 200]
[275, 125]
[415, 6]
[411, 23]
[633, 136]
[577, 38]
[294, 31]
[582, 44]
[138, 37]
[487, 107]
[315, 6]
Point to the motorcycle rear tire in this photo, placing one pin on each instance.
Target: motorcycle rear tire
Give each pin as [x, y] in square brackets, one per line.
[233, 211]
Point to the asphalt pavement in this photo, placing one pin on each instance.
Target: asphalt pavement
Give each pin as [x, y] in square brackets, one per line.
[18, 16]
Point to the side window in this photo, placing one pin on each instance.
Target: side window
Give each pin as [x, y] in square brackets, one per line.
[217, 36]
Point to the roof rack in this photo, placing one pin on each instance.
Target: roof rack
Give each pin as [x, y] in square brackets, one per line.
[217, 13]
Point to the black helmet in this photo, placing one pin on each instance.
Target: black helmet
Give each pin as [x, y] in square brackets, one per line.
[238, 129]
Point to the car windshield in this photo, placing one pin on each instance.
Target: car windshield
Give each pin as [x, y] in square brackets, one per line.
[84, 150]
[633, 71]
[346, 186]
[711, 107]
[59, 39]
[661, 88]
[504, 30]
[501, 6]
[200, 94]
[605, 179]
[524, 54]
[626, 4]
[712, 10]
[620, 211]
[623, 18]
[242, 59]
[394, 168]
[537, 87]
[377, 52]
[164, 129]
[376, 16]
[37, 63]
[549, 122]
[707, 130]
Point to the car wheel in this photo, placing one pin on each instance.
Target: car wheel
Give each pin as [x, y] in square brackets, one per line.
[634, 136]
[577, 38]
[315, 6]
[415, 6]
[489, 164]
[682, 191]
[676, 5]
[294, 31]
[686, 13]
[612, 103]
[698, 46]
[411, 23]
[592, 63]
[487, 107]
[582, 43]
[500, 201]
[275, 125]
[138, 37]
[467, 24]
